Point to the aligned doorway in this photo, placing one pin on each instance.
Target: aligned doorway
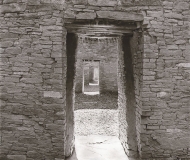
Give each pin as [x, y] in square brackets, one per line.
[127, 117]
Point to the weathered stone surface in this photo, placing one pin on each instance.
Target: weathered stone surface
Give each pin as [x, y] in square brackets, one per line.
[13, 7]
[33, 61]
[181, 5]
[86, 15]
[185, 65]
[173, 15]
[10, 1]
[8, 35]
[120, 16]
[69, 13]
[80, 2]
[103, 2]
[162, 94]
[1, 50]
[52, 94]
[33, 2]
[13, 50]
[6, 44]
[31, 80]
[141, 2]
[17, 157]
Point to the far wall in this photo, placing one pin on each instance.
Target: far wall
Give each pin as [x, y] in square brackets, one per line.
[104, 50]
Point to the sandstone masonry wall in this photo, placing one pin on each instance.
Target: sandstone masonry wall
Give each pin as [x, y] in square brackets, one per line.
[33, 74]
[165, 92]
[32, 41]
[104, 50]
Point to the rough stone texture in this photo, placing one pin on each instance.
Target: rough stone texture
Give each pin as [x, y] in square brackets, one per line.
[127, 102]
[104, 50]
[32, 124]
[119, 15]
[33, 60]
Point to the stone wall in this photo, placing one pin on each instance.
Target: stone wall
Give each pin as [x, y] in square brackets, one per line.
[103, 50]
[32, 40]
[165, 100]
[33, 75]
[128, 94]
[136, 43]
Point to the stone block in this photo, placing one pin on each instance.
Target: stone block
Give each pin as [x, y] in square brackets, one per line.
[168, 4]
[125, 16]
[149, 65]
[31, 80]
[153, 127]
[141, 2]
[14, 90]
[172, 47]
[20, 69]
[58, 70]
[13, 50]
[28, 140]
[147, 113]
[10, 1]
[162, 94]
[173, 15]
[56, 54]
[180, 42]
[147, 78]
[17, 30]
[185, 65]
[6, 44]
[181, 5]
[86, 15]
[1, 50]
[52, 27]
[8, 35]
[102, 2]
[12, 79]
[13, 7]
[155, 13]
[52, 94]
[16, 157]
[79, 3]
[54, 127]
[69, 14]
[33, 2]
[42, 8]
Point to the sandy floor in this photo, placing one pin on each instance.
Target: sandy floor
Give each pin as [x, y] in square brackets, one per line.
[96, 135]
[96, 147]
[96, 122]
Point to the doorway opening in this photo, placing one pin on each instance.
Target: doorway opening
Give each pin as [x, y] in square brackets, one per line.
[117, 91]
[91, 77]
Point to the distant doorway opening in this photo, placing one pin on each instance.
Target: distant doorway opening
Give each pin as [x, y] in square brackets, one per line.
[90, 77]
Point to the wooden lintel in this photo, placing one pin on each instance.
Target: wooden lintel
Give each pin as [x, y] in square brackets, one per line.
[98, 29]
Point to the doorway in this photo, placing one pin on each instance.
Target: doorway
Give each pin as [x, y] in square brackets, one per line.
[126, 94]
[90, 73]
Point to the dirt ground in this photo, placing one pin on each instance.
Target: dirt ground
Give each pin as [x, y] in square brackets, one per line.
[96, 122]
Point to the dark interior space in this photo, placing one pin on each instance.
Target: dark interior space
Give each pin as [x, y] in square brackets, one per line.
[70, 94]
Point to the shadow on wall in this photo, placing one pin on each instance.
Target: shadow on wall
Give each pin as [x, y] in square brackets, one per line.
[73, 156]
